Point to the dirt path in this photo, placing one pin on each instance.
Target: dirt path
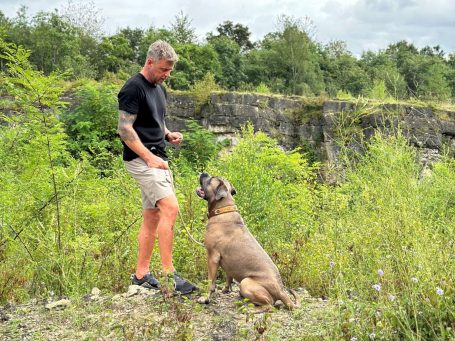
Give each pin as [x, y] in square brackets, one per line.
[146, 315]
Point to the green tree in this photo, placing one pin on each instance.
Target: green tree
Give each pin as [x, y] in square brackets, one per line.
[256, 67]
[114, 54]
[342, 70]
[195, 61]
[293, 59]
[19, 31]
[182, 30]
[33, 157]
[52, 40]
[380, 68]
[238, 33]
[231, 62]
[432, 79]
[451, 74]
[134, 37]
[406, 58]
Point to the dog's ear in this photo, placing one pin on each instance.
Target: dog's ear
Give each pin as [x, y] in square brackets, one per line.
[221, 192]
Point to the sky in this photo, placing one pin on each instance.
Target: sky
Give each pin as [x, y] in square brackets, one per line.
[362, 24]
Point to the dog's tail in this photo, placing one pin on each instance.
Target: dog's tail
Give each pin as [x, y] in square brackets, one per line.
[296, 298]
[288, 302]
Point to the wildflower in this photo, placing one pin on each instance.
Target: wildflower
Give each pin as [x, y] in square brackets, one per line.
[331, 264]
[414, 279]
[377, 287]
[353, 338]
[392, 298]
[380, 272]
[372, 335]
[439, 291]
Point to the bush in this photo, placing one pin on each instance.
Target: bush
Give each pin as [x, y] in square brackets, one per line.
[379, 91]
[91, 123]
[202, 89]
[199, 146]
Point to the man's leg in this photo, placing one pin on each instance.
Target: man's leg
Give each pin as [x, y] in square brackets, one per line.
[146, 238]
[168, 210]
[168, 213]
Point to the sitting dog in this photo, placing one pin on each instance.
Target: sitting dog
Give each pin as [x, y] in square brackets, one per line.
[230, 245]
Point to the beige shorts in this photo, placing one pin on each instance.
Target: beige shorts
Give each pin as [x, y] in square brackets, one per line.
[155, 183]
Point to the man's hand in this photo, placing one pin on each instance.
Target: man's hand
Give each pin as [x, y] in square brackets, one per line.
[174, 137]
[156, 162]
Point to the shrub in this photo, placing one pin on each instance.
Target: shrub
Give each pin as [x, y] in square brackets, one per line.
[199, 145]
[91, 123]
[202, 89]
[379, 91]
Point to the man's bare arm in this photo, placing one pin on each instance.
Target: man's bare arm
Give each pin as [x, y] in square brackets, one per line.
[125, 126]
[131, 139]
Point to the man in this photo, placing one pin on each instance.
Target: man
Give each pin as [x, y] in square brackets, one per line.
[142, 108]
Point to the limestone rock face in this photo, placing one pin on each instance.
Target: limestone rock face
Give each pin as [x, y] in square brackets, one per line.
[315, 126]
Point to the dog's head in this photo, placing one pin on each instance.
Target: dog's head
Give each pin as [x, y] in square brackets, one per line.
[214, 188]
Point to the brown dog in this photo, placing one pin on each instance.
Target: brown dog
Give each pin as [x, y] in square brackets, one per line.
[230, 245]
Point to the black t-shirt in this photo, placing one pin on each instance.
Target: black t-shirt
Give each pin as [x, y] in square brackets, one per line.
[148, 101]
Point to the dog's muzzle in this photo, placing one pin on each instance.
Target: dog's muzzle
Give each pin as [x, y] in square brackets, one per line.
[200, 193]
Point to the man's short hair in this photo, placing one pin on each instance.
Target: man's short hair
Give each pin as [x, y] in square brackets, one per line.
[162, 50]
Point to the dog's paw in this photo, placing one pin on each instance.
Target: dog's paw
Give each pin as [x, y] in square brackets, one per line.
[203, 300]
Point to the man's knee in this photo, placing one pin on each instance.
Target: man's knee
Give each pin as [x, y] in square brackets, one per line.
[168, 207]
[151, 214]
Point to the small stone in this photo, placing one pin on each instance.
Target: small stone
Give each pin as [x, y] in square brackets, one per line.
[96, 291]
[61, 304]
[202, 300]
[116, 297]
[143, 291]
[3, 317]
[133, 290]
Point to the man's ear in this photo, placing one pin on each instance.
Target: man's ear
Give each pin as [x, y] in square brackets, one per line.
[221, 192]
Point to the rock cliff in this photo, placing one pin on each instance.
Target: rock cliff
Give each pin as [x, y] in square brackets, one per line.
[316, 125]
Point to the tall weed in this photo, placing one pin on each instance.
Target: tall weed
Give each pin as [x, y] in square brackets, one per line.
[387, 250]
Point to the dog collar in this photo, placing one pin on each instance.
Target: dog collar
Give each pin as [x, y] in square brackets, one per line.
[221, 210]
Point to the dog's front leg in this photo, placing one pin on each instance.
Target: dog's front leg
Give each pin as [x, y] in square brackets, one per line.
[213, 263]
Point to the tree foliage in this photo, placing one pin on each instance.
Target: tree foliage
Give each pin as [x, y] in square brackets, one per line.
[237, 32]
[288, 60]
[183, 32]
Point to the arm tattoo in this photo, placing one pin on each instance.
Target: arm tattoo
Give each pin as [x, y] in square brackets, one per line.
[125, 126]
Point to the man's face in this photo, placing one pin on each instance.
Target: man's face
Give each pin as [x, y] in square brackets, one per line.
[159, 70]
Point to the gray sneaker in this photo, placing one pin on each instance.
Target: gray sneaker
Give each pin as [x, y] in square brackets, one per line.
[148, 281]
[181, 285]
